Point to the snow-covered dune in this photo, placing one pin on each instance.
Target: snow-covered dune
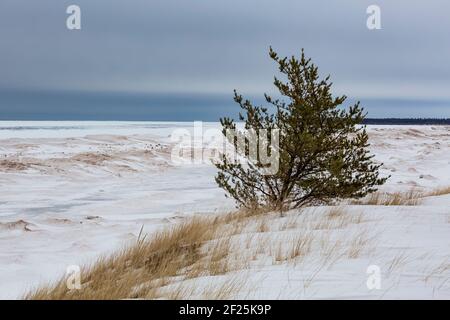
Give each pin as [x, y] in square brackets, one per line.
[70, 191]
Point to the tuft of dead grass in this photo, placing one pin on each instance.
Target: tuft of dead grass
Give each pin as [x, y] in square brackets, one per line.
[439, 192]
[410, 198]
[13, 165]
[357, 245]
[300, 246]
[337, 218]
[397, 262]
[220, 290]
[438, 271]
[262, 226]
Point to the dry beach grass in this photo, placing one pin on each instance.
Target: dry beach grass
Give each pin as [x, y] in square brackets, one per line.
[167, 264]
[412, 197]
[164, 265]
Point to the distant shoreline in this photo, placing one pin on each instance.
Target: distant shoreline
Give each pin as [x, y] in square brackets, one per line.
[369, 121]
[407, 121]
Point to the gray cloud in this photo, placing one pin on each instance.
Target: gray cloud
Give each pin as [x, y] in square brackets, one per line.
[215, 46]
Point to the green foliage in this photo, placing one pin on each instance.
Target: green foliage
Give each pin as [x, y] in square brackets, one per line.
[323, 153]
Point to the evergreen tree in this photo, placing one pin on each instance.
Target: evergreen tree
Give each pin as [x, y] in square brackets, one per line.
[323, 153]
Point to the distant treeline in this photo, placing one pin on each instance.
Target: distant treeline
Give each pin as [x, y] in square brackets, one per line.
[407, 121]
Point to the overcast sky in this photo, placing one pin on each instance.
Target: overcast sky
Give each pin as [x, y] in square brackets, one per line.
[209, 46]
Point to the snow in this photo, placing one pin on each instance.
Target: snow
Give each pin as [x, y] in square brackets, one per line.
[72, 191]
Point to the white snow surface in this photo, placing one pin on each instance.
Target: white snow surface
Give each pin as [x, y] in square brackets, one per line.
[72, 191]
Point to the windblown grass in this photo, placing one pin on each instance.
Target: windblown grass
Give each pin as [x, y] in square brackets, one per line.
[439, 192]
[168, 263]
[197, 247]
[160, 257]
[410, 198]
[441, 270]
